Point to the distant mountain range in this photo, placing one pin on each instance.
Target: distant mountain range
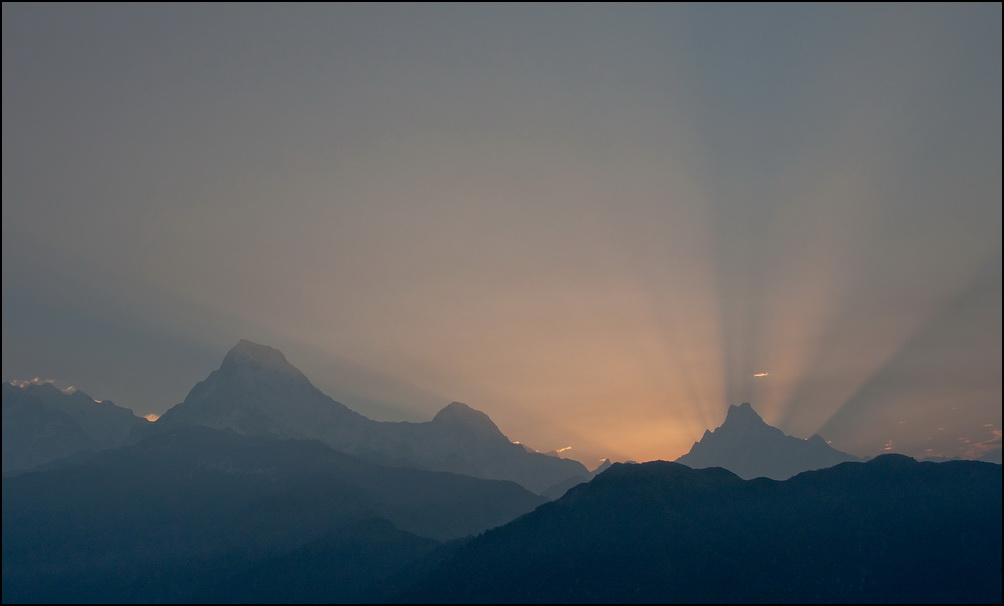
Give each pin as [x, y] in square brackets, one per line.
[257, 392]
[750, 448]
[258, 488]
[42, 423]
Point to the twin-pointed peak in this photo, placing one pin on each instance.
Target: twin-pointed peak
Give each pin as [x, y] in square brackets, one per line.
[250, 359]
[747, 446]
[743, 414]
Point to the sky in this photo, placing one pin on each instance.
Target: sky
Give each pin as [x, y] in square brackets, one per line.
[599, 224]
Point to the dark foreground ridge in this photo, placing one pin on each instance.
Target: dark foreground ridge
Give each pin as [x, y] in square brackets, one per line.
[888, 531]
[204, 515]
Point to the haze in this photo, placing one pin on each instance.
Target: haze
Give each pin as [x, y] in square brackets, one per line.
[599, 224]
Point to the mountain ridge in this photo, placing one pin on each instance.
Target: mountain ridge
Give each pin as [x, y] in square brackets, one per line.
[42, 423]
[256, 391]
[167, 519]
[746, 445]
[662, 532]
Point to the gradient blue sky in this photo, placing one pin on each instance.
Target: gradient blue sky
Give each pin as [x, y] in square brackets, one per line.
[596, 223]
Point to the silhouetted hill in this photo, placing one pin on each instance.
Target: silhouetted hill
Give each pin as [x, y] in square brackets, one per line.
[888, 531]
[166, 519]
[750, 448]
[558, 490]
[42, 423]
[364, 562]
[256, 391]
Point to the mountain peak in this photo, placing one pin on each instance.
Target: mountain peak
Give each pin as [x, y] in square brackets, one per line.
[458, 413]
[256, 391]
[250, 354]
[744, 414]
[747, 446]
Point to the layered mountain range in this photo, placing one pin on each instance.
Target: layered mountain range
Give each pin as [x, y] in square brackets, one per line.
[258, 488]
[198, 515]
[170, 518]
[256, 391]
[42, 423]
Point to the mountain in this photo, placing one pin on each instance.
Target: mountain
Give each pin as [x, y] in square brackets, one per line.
[197, 514]
[561, 488]
[889, 530]
[256, 391]
[750, 448]
[994, 456]
[42, 423]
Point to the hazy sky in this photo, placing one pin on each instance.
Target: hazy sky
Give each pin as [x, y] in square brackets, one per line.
[595, 223]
